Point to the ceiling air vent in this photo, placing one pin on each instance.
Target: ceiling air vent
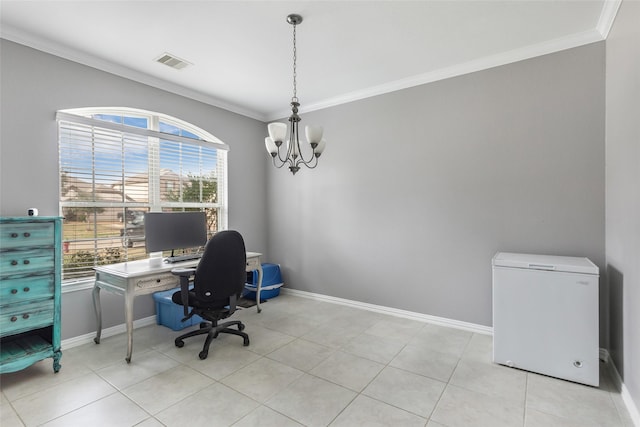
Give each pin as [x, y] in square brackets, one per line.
[172, 61]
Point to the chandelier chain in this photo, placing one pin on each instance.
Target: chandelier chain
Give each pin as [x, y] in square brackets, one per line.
[295, 57]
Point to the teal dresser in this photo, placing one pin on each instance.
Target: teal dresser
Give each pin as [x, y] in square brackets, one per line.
[30, 276]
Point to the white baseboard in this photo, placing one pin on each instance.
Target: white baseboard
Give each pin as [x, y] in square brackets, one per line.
[442, 321]
[114, 330]
[634, 413]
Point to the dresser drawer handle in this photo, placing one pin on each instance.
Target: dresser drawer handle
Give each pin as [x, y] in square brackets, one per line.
[14, 291]
[14, 262]
[158, 280]
[14, 235]
[27, 234]
[26, 289]
[25, 316]
[14, 318]
[25, 262]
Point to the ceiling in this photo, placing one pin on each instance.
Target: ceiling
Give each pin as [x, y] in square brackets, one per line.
[241, 51]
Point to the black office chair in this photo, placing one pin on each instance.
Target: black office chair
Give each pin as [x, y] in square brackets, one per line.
[217, 285]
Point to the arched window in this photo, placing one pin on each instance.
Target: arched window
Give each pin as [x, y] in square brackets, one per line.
[118, 163]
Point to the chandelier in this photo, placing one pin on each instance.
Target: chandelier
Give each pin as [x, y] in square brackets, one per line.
[294, 156]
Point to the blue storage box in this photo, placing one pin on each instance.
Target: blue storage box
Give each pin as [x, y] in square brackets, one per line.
[271, 282]
[170, 314]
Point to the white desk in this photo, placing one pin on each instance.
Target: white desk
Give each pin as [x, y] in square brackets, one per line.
[145, 277]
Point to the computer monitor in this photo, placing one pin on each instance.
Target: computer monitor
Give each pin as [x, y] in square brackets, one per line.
[168, 231]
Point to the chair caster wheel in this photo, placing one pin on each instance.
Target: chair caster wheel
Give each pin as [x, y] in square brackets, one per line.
[203, 355]
[241, 327]
[179, 343]
[246, 342]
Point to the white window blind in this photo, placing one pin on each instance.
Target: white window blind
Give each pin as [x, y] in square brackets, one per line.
[111, 174]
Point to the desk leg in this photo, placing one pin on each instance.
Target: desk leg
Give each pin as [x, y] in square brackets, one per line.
[98, 309]
[128, 315]
[259, 285]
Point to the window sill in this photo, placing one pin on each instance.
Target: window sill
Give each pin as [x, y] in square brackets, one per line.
[78, 285]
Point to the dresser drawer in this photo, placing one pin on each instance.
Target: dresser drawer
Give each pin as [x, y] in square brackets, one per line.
[26, 235]
[23, 262]
[20, 318]
[13, 291]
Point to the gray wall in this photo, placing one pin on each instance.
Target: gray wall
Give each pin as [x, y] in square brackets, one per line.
[623, 193]
[418, 189]
[35, 85]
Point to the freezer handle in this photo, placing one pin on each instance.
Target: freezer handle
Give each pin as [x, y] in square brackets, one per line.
[542, 266]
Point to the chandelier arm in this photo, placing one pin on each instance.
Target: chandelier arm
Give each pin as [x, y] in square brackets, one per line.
[282, 163]
[311, 164]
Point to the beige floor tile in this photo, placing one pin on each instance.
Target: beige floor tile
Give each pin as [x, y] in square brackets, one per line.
[347, 370]
[293, 325]
[402, 329]
[459, 407]
[570, 400]
[266, 417]
[216, 405]
[364, 411]
[39, 376]
[262, 379]
[535, 418]
[301, 354]
[150, 422]
[264, 341]
[147, 364]
[61, 399]
[291, 336]
[311, 401]
[432, 364]
[411, 392]
[167, 388]
[372, 347]
[480, 348]
[112, 411]
[443, 340]
[223, 360]
[491, 379]
[9, 417]
[330, 336]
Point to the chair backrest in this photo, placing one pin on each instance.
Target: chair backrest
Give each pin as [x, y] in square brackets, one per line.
[222, 270]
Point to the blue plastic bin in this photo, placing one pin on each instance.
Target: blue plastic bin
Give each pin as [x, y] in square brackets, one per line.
[271, 282]
[170, 314]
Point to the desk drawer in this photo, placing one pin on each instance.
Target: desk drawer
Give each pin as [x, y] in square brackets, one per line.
[253, 264]
[24, 262]
[163, 281]
[26, 235]
[25, 317]
[13, 291]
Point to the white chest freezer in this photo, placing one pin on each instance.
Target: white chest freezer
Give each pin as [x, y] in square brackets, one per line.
[545, 315]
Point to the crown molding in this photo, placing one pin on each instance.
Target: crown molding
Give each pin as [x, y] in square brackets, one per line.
[13, 34]
[532, 51]
[607, 16]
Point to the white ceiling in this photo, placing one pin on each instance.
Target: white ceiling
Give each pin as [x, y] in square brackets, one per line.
[241, 51]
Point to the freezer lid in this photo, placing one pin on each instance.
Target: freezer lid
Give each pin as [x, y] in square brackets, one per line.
[545, 262]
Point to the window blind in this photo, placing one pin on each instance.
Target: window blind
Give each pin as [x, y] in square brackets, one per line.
[111, 174]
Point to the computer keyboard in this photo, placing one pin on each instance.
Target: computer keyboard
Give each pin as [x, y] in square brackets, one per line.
[181, 258]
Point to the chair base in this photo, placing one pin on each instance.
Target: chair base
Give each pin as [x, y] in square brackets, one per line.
[212, 329]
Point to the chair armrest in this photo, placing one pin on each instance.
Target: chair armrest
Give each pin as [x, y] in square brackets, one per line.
[184, 274]
[184, 271]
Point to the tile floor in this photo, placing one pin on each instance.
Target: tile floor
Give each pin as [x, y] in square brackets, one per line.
[310, 363]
